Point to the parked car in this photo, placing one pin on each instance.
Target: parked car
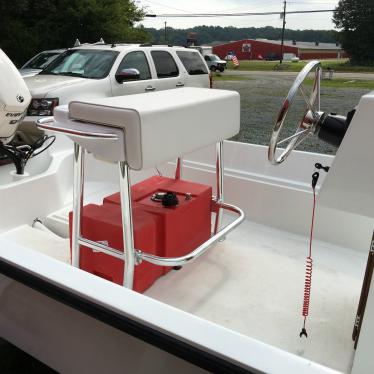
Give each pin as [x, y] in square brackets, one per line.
[94, 71]
[215, 63]
[272, 57]
[39, 62]
[290, 57]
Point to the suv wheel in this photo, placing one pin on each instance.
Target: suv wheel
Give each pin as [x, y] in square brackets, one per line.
[221, 70]
[213, 68]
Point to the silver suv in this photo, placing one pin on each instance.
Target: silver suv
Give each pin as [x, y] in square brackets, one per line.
[95, 71]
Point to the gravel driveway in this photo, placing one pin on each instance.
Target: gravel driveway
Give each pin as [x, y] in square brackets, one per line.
[262, 96]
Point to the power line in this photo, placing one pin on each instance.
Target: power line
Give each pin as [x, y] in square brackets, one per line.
[245, 14]
[167, 6]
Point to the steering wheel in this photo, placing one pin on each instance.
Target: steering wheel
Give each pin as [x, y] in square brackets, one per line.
[309, 121]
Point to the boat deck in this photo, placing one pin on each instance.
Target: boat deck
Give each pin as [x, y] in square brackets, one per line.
[253, 283]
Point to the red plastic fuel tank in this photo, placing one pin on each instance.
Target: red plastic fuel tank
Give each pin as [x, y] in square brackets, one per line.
[183, 227]
[104, 224]
[165, 231]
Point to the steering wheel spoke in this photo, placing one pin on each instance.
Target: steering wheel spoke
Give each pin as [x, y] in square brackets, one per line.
[308, 101]
[296, 135]
[301, 138]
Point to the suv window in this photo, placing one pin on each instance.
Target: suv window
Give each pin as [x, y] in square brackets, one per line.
[93, 63]
[165, 64]
[136, 60]
[207, 58]
[192, 62]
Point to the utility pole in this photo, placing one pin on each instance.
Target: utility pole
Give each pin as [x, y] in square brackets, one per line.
[165, 32]
[283, 30]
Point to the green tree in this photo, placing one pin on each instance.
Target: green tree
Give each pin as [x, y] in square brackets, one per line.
[28, 27]
[356, 20]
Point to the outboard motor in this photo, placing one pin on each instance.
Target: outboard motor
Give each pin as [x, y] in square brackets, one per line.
[15, 98]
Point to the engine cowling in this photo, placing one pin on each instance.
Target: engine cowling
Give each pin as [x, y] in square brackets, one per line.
[15, 97]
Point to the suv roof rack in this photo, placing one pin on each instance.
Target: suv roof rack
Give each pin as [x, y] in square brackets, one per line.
[114, 44]
[77, 43]
[156, 44]
[101, 41]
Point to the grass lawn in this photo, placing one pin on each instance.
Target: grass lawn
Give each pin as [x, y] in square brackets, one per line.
[334, 83]
[344, 83]
[337, 65]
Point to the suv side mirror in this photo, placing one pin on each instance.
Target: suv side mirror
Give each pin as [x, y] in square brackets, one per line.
[126, 75]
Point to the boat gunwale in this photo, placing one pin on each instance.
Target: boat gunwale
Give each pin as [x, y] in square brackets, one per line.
[174, 346]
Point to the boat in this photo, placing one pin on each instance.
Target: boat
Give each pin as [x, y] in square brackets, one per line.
[240, 302]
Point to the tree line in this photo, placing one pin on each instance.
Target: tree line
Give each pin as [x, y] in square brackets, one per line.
[217, 34]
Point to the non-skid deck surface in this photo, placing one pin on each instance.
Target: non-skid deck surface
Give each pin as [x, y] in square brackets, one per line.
[40, 241]
[253, 283]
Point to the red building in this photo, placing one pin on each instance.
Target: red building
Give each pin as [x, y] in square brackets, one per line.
[258, 49]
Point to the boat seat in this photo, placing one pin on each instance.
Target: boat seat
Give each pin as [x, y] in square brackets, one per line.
[140, 132]
[150, 128]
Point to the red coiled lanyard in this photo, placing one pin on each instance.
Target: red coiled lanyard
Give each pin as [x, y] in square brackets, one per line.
[309, 259]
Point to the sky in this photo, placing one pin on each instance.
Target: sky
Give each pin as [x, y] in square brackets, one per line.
[321, 21]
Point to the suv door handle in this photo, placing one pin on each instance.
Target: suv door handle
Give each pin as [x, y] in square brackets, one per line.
[179, 84]
[150, 88]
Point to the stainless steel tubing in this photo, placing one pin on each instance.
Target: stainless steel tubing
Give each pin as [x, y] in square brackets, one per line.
[78, 191]
[127, 224]
[318, 79]
[179, 261]
[49, 124]
[45, 120]
[219, 172]
[96, 246]
[219, 181]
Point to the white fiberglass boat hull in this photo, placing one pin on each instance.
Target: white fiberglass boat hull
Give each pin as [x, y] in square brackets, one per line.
[73, 320]
[53, 322]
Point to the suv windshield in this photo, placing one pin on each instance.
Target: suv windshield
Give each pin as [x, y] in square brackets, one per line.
[85, 63]
[41, 60]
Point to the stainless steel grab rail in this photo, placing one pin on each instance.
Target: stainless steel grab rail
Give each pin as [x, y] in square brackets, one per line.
[171, 261]
[46, 124]
[179, 261]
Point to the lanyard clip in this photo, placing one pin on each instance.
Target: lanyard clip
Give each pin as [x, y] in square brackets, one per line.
[303, 332]
[315, 177]
[320, 166]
